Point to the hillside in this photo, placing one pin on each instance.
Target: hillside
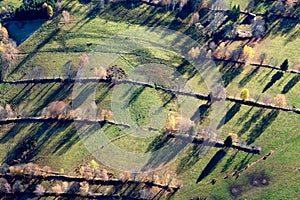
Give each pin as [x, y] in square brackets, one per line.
[202, 99]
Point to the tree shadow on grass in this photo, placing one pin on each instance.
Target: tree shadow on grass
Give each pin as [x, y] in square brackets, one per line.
[273, 80]
[243, 162]
[255, 117]
[230, 114]
[186, 67]
[191, 158]
[158, 142]
[164, 150]
[103, 91]
[290, 84]
[244, 117]
[14, 130]
[248, 77]
[66, 140]
[31, 145]
[264, 123]
[202, 113]
[23, 94]
[62, 92]
[35, 51]
[137, 92]
[212, 164]
[230, 71]
[229, 162]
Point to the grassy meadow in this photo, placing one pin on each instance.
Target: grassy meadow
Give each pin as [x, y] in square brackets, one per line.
[60, 146]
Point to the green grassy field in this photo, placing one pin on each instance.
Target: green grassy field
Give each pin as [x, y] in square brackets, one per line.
[59, 146]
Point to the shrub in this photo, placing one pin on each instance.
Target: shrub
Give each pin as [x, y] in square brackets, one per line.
[280, 100]
[65, 17]
[245, 94]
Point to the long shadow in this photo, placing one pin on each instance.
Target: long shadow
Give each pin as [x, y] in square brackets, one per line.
[273, 80]
[30, 145]
[166, 153]
[264, 123]
[229, 162]
[248, 77]
[186, 67]
[230, 114]
[16, 129]
[191, 158]
[62, 92]
[230, 71]
[212, 164]
[158, 142]
[290, 84]
[243, 162]
[66, 140]
[136, 94]
[103, 91]
[244, 117]
[85, 92]
[35, 51]
[23, 94]
[255, 117]
[202, 113]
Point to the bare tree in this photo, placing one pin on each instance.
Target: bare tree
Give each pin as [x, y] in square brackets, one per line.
[65, 17]
[194, 18]
[267, 99]
[3, 33]
[84, 60]
[262, 58]
[69, 70]
[39, 190]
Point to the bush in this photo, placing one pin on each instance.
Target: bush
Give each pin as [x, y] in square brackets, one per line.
[280, 100]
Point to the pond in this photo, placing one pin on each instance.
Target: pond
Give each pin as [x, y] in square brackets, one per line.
[19, 31]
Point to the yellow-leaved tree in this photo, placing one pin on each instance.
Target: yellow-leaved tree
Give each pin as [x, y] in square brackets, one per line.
[245, 94]
[49, 11]
[248, 52]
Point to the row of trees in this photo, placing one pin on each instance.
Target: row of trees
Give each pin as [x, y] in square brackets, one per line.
[24, 178]
[279, 100]
[84, 70]
[62, 110]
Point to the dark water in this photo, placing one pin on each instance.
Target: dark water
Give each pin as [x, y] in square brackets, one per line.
[19, 31]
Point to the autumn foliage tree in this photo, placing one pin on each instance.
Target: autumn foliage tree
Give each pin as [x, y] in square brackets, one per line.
[65, 17]
[194, 52]
[245, 94]
[194, 18]
[8, 51]
[280, 100]
[248, 52]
